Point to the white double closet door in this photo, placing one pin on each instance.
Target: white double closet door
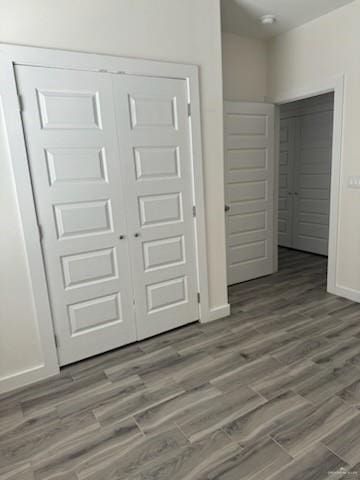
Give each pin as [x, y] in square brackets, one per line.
[304, 182]
[110, 161]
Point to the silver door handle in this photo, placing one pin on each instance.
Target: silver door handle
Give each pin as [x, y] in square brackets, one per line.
[227, 208]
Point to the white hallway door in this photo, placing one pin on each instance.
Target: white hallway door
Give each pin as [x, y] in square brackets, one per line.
[249, 189]
[111, 171]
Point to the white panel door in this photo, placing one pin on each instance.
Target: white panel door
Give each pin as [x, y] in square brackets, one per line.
[155, 145]
[286, 181]
[249, 185]
[75, 165]
[312, 183]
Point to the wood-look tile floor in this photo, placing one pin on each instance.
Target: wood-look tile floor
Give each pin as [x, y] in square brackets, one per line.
[272, 392]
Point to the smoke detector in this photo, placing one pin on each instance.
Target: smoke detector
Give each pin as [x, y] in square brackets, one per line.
[268, 19]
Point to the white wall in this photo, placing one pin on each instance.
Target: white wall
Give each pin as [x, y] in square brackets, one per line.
[327, 47]
[171, 30]
[19, 336]
[244, 68]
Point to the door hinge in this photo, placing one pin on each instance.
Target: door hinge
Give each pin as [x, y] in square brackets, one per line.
[56, 341]
[198, 297]
[21, 103]
[41, 233]
[189, 109]
[194, 211]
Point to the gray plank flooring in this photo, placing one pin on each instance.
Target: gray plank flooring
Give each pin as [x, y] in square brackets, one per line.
[271, 392]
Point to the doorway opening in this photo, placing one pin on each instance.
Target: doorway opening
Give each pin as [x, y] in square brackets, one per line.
[282, 181]
[304, 182]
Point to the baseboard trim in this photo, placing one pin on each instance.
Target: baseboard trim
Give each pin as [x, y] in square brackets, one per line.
[349, 293]
[217, 313]
[25, 377]
[41, 372]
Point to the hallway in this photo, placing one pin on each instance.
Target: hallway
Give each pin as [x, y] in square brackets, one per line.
[301, 281]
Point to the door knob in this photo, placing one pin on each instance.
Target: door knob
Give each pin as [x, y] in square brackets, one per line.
[121, 237]
[137, 234]
[227, 208]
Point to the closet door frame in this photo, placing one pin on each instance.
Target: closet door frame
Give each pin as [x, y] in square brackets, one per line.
[10, 111]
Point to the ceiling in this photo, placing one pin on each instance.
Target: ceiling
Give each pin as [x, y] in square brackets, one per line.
[242, 16]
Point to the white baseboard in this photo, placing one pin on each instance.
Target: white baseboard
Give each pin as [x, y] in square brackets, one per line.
[40, 372]
[25, 377]
[218, 312]
[345, 292]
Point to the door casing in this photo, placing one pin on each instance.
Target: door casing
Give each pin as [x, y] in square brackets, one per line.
[327, 85]
[10, 109]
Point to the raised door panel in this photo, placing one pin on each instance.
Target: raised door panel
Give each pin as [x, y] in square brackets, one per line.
[89, 267]
[157, 210]
[71, 136]
[312, 182]
[249, 170]
[253, 124]
[157, 163]
[76, 165]
[154, 137]
[69, 109]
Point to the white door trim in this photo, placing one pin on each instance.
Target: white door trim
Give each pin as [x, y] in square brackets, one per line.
[336, 85]
[12, 55]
